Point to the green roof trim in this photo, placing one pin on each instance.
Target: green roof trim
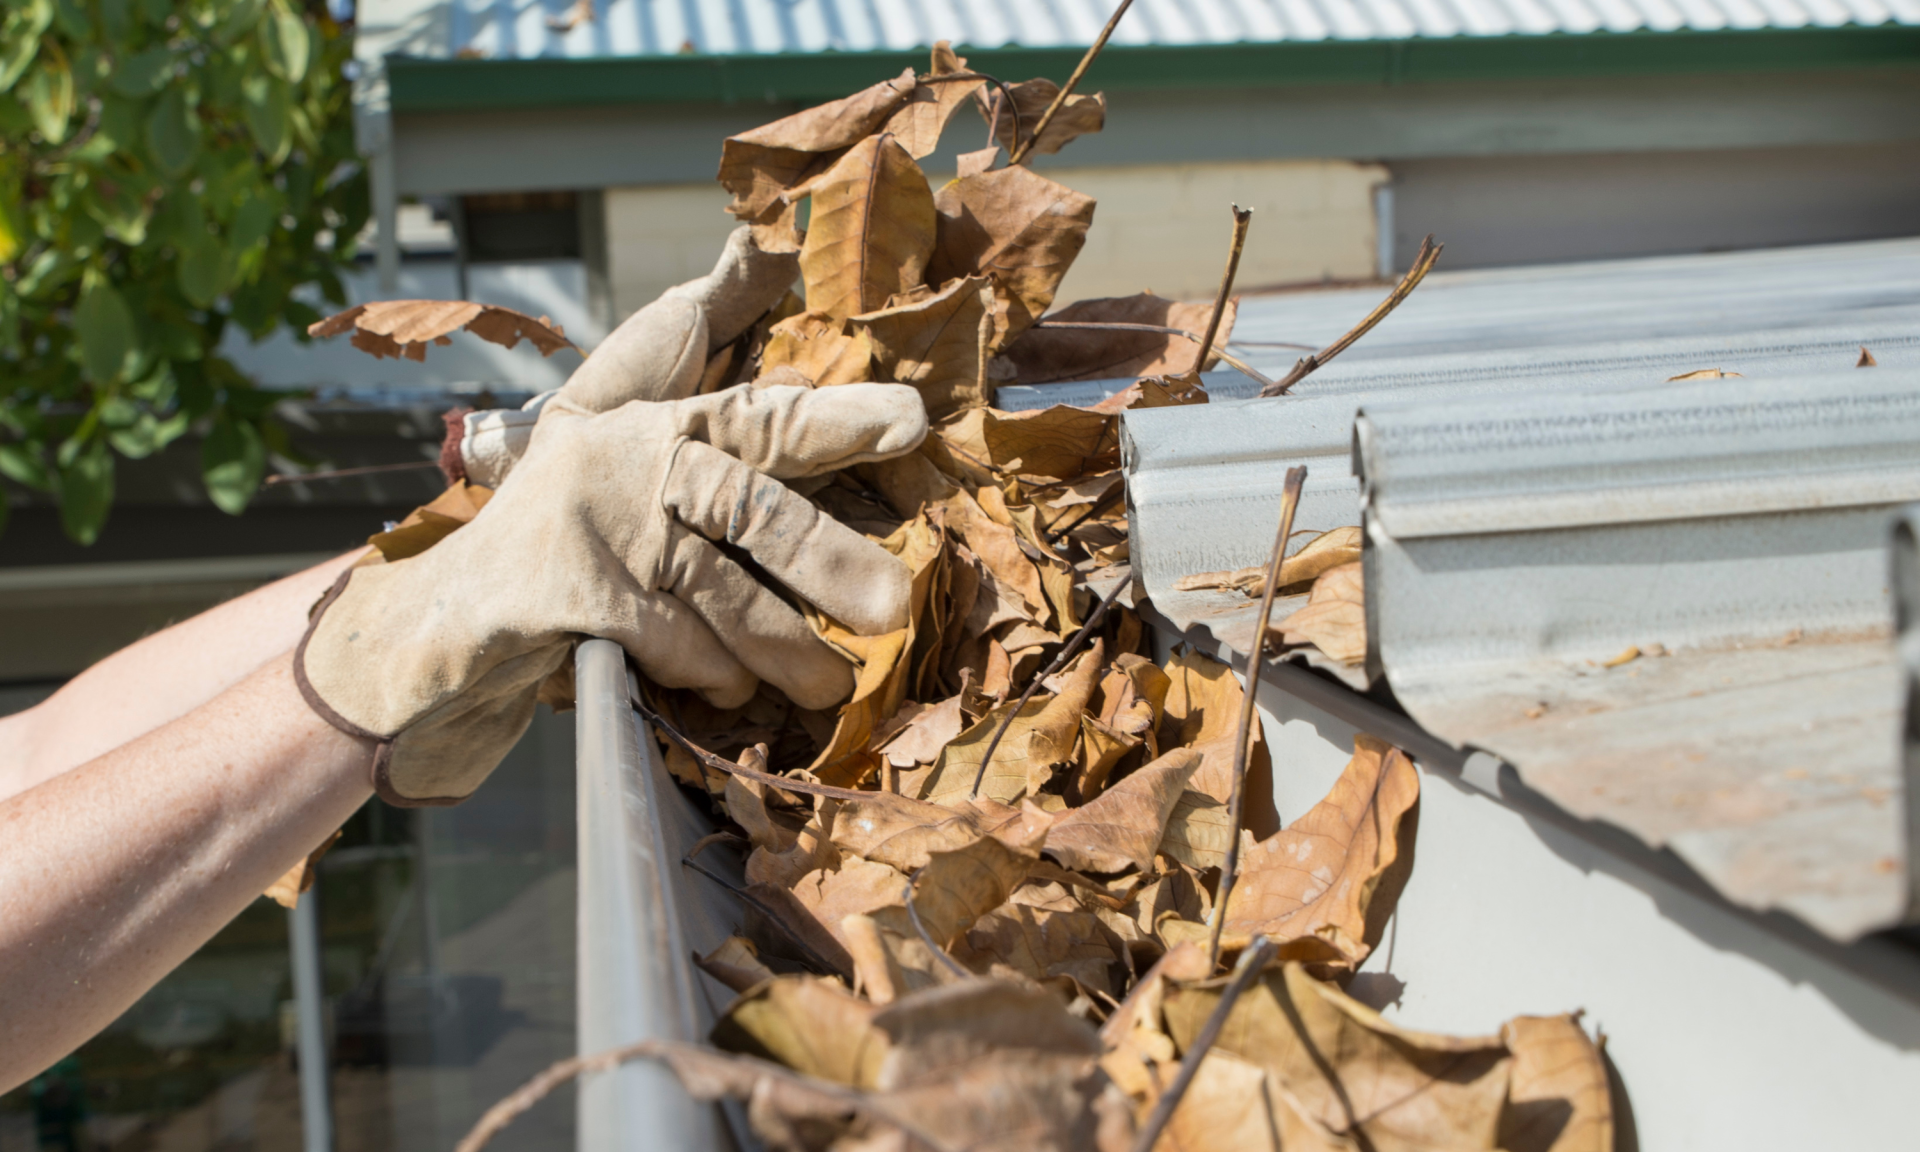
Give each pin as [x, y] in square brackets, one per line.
[428, 85]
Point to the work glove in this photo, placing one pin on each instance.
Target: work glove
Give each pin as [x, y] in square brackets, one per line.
[625, 525]
[660, 353]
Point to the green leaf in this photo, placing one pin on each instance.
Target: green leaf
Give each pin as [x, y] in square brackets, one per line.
[121, 210]
[157, 11]
[86, 492]
[239, 20]
[205, 271]
[105, 328]
[116, 18]
[173, 132]
[50, 96]
[267, 104]
[20, 40]
[232, 460]
[146, 435]
[72, 18]
[252, 222]
[143, 73]
[24, 466]
[284, 40]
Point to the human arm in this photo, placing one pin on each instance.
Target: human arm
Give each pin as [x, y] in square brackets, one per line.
[116, 871]
[158, 679]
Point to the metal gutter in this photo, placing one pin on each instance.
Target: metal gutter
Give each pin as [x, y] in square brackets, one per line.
[419, 83]
[1736, 531]
[635, 981]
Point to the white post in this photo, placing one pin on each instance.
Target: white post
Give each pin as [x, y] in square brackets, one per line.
[309, 998]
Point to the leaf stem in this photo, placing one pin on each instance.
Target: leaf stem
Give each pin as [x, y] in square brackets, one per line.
[1422, 264]
[1059, 662]
[1241, 218]
[1249, 712]
[1073, 81]
[913, 914]
[1252, 962]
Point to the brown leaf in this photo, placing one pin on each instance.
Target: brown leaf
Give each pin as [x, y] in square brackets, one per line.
[399, 328]
[974, 163]
[958, 887]
[856, 886]
[923, 737]
[938, 345]
[919, 122]
[1202, 712]
[821, 348]
[1559, 1099]
[1042, 735]
[1334, 619]
[1326, 551]
[1198, 831]
[735, 963]
[1019, 228]
[1081, 115]
[1352, 1073]
[1047, 355]
[299, 878]
[1101, 747]
[888, 964]
[1122, 828]
[1059, 442]
[759, 166]
[871, 230]
[1317, 876]
[812, 1025]
[432, 522]
[904, 833]
[1702, 374]
[1042, 944]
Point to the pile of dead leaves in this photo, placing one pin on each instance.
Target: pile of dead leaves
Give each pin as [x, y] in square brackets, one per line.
[946, 949]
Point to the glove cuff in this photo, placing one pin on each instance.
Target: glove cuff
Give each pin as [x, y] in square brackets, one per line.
[383, 745]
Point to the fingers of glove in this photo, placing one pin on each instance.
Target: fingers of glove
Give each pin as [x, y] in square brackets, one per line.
[789, 432]
[743, 285]
[839, 571]
[658, 354]
[676, 649]
[762, 631]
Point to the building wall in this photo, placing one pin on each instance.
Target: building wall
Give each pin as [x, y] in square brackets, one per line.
[1162, 227]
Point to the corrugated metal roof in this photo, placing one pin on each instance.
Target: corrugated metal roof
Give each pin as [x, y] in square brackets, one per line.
[516, 29]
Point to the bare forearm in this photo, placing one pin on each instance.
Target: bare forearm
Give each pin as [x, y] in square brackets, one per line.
[158, 679]
[115, 872]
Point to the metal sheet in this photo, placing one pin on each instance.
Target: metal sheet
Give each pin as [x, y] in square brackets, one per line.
[1762, 748]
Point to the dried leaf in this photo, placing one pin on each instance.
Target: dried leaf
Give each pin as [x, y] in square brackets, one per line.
[1351, 1072]
[758, 167]
[871, 230]
[432, 522]
[887, 964]
[938, 345]
[821, 348]
[1202, 713]
[1042, 944]
[1101, 747]
[1047, 355]
[1081, 115]
[735, 963]
[958, 887]
[1124, 826]
[923, 737]
[1317, 876]
[1059, 442]
[812, 1025]
[1019, 228]
[1326, 551]
[974, 163]
[905, 833]
[919, 122]
[1041, 736]
[856, 886]
[299, 878]
[1559, 1099]
[396, 328]
[1334, 618]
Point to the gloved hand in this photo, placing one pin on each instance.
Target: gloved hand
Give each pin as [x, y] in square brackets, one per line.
[658, 354]
[611, 527]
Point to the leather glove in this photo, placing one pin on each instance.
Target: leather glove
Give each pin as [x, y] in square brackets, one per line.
[660, 352]
[616, 525]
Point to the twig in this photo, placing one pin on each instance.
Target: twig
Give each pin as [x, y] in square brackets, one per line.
[1249, 714]
[1039, 678]
[1422, 264]
[760, 906]
[913, 914]
[1073, 81]
[342, 473]
[1252, 962]
[724, 765]
[1241, 218]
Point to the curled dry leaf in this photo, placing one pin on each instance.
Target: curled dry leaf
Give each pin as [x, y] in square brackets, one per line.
[1041, 736]
[920, 741]
[958, 887]
[396, 328]
[1046, 355]
[919, 122]
[1559, 1099]
[1326, 551]
[1334, 618]
[871, 230]
[812, 1025]
[1082, 115]
[1057, 442]
[1313, 881]
[938, 344]
[905, 833]
[1122, 828]
[735, 963]
[821, 348]
[1016, 226]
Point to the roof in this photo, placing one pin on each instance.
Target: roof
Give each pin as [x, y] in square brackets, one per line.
[1740, 525]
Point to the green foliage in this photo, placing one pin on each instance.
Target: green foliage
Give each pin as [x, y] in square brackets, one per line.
[168, 169]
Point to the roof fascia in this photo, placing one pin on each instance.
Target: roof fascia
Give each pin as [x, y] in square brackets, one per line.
[436, 85]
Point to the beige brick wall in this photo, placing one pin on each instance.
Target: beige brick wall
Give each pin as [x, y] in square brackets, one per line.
[1161, 227]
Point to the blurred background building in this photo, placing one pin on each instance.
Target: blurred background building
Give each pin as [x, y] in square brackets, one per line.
[558, 158]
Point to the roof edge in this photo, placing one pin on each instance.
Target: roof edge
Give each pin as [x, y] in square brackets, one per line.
[439, 85]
